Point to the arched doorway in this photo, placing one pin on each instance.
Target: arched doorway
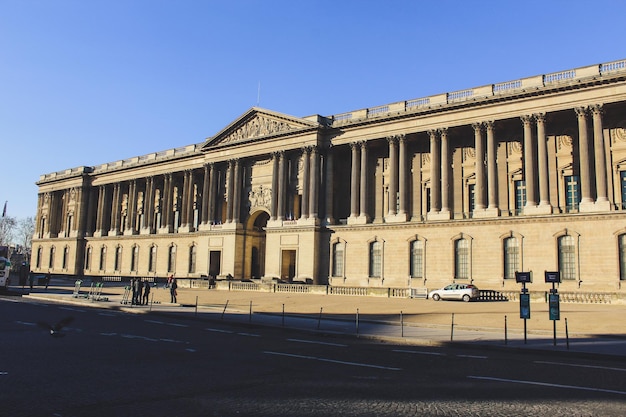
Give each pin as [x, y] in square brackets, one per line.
[255, 244]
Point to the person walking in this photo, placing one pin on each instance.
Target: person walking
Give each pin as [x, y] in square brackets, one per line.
[133, 288]
[146, 292]
[48, 278]
[173, 293]
[139, 290]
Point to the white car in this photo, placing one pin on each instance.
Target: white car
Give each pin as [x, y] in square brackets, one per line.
[465, 292]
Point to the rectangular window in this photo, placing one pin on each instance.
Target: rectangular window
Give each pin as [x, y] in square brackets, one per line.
[338, 259]
[520, 196]
[622, 176]
[461, 261]
[511, 257]
[472, 197]
[375, 260]
[572, 193]
[567, 258]
[622, 257]
[417, 259]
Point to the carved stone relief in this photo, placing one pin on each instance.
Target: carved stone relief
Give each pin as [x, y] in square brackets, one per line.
[257, 127]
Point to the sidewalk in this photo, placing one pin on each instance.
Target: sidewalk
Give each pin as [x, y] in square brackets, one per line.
[592, 329]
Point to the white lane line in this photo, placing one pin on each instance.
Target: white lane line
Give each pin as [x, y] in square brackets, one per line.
[108, 314]
[249, 334]
[219, 331]
[177, 325]
[418, 352]
[166, 323]
[582, 366]
[4, 373]
[365, 365]
[26, 323]
[545, 384]
[315, 342]
[72, 309]
[473, 356]
[154, 321]
[108, 334]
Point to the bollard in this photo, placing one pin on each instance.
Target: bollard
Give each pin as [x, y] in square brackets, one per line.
[151, 301]
[250, 317]
[283, 314]
[452, 329]
[196, 314]
[401, 325]
[319, 320]
[357, 322]
[566, 334]
[506, 340]
[225, 306]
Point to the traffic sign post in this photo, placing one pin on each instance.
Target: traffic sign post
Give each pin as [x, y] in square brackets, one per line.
[524, 298]
[553, 300]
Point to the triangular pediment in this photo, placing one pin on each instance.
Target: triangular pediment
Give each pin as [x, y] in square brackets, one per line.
[257, 124]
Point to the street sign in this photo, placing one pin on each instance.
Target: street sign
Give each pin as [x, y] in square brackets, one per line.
[552, 277]
[524, 306]
[523, 276]
[553, 306]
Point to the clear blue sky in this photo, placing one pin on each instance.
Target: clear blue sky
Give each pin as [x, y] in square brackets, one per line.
[84, 82]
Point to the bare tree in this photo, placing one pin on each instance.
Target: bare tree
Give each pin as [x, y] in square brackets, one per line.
[25, 231]
[7, 227]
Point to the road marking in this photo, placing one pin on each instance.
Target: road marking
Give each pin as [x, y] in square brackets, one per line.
[249, 334]
[583, 366]
[315, 342]
[4, 373]
[473, 356]
[108, 314]
[177, 325]
[72, 309]
[166, 323]
[154, 321]
[366, 365]
[108, 334]
[418, 352]
[219, 331]
[545, 384]
[190, 350]
[26, 323]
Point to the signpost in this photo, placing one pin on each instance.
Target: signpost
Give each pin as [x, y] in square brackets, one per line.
[524, 298]
[554, 310]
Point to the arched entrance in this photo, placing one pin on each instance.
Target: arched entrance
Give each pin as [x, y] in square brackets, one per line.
[254, 266]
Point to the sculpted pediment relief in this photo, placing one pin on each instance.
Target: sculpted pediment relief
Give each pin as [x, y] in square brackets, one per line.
[255, 124]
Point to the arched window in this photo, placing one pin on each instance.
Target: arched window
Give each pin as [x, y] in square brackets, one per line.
[134, 260]
[511, 250]
[118, 258]
[66, 254]
[153, 258]
[39, 255]
[461, 259]
[51, 260]
[192, 259]
[103, 258]
[88, 254]
[171, 259]
[338, 259]
[376, 259]
[567, 257]
[621, 253]
[417, 259]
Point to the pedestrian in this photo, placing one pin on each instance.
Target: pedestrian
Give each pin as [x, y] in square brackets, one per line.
[169, 281]
[138, 290]
[133, 288]
[146, 292]
[173, 293]
[48, 277]
[31, 279]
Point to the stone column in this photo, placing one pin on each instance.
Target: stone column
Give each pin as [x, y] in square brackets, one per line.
[205, 195]
[148, 204]
[314, 184]
[542, 160]
[363, 184]
[132, 207]
[116, 210]
[393, 174]
[212, 193]
[600, 157]
[354, 181]
[492, 169]
[435, 172]
[445, 171]
[237, 192]
[275, 175]
[280, 210]
[479, 191]
[403, 178]
[329, 184]
[529, 162]
[583, 152]
[167, 203]
[304, 207]
[231, 191]
[99, 213]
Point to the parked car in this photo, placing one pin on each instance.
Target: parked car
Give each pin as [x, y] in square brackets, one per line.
[465, 292]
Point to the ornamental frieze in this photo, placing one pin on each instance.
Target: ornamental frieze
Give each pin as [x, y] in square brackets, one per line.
[260, 197]
[258, 127]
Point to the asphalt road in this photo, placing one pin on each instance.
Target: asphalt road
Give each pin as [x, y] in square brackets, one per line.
[110, 363]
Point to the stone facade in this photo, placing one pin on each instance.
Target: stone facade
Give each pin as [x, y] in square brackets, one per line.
[468, 186]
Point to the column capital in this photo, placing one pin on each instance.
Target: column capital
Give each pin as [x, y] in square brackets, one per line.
[581, 111]
[433, 133]
[478, 126]
[540, 117]
[527, 119]
[393, 139]
[597, 109]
